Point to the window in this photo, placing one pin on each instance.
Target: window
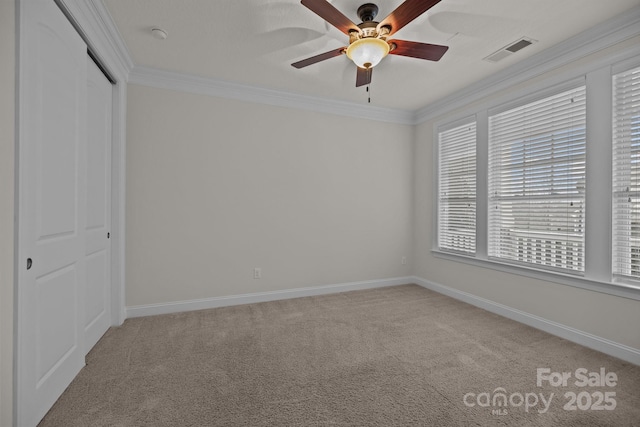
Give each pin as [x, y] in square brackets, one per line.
[457, 189]
[514, 178]
[626, 174]
[536, 182]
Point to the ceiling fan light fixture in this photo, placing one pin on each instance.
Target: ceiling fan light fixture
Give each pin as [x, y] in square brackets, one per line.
[367, 52]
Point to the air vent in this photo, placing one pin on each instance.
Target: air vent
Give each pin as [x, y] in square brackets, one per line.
[510, 49]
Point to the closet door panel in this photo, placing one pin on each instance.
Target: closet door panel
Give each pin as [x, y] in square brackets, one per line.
[97, 307]
[51, 203]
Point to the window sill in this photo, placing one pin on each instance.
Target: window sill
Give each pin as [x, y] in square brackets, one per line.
[620, 289]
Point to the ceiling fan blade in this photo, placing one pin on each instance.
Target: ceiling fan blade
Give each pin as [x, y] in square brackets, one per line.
[431, 52]
[363, 77]
[405, 13]
[318, 58]
[329, 13]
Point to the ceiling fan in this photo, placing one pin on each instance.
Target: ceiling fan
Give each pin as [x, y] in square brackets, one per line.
[368, 41]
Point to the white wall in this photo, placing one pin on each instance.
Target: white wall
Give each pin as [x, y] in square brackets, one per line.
[216, 187]
[7, 107]
[606, 316]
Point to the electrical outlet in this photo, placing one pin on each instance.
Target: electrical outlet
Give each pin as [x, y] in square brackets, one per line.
[404, 260]
[257, 273]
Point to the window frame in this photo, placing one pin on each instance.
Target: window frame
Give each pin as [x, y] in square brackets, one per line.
[598, 275]
[617, 70]
[557, 90]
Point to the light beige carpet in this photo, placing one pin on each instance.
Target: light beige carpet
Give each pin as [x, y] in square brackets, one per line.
[393, 356]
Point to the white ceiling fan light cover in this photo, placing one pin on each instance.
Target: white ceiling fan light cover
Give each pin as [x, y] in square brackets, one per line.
[367, 52]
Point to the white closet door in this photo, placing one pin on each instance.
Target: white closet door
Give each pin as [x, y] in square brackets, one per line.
[97, 310]
[52, 132]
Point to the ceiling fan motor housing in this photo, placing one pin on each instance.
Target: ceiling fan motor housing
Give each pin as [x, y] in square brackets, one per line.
[367, 12]
[368, 29]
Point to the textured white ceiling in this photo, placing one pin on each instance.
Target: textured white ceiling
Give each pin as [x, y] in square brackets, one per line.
[253, 42]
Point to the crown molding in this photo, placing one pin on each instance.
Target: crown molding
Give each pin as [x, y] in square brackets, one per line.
[97, 19]
[106, 39]
[602, 36]
[164, 79]
[96, 27]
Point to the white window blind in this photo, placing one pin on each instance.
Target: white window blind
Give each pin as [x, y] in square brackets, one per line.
[536, 182]
[457, 189]
[626, 174]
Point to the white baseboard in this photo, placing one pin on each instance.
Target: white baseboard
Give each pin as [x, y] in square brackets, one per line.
[586, 339]
[201, 304]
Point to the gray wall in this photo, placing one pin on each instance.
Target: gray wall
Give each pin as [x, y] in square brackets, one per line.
[7, 108]
[216, 187]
